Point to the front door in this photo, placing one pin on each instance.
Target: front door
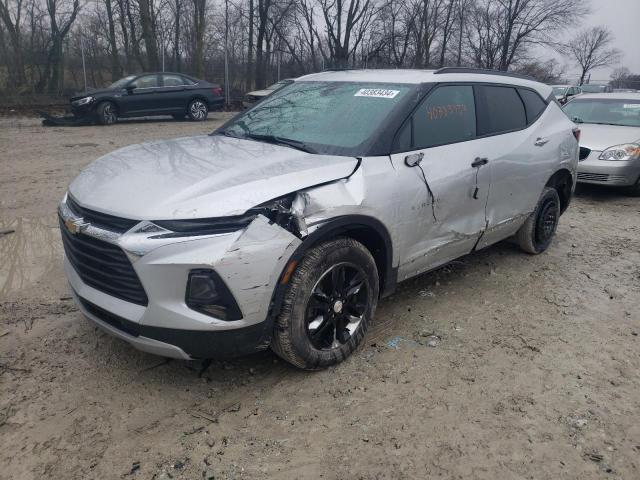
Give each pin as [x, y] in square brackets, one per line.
[142, 97]
[441, 200]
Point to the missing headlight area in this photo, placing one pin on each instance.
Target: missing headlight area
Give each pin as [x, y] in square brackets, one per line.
[287, 212]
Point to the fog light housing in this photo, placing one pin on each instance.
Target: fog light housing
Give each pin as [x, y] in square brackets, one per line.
[208, 294]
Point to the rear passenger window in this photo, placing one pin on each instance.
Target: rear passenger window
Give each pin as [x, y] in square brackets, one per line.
[172, 80]
[533, 104]
[447, 115]
[503, 111]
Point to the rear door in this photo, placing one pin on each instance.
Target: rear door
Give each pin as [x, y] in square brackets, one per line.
[440, 202]
[520, 150]
[175, 95]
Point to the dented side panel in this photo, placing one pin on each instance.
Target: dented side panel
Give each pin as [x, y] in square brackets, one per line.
[436, 230]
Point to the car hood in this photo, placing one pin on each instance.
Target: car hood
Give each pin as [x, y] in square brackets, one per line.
[200, 177]
[95, 93]
[600, 137]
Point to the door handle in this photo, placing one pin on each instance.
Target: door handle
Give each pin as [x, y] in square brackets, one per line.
[478, 162]
[541, 141]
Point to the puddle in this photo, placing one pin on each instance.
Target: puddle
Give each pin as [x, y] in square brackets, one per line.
[28, 254]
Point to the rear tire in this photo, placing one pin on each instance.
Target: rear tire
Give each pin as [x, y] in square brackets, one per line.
[537, 232]
[327, 306]
[107, 113]
[197, 110]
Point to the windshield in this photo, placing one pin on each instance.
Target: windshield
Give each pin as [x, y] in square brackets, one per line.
[122, 82]
[605, 111]
[327, 117]
[559, 90]
[592, 88]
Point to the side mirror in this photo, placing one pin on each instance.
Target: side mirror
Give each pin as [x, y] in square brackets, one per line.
[130, 88]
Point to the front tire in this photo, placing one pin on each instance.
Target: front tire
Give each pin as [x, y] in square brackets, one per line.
[197, 110]
[329, 302]
[537, 232]
[107, 113]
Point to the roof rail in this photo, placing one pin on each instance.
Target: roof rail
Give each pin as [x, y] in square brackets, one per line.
[483, 71]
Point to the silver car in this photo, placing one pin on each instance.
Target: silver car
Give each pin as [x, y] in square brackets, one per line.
[610, 138]
[285, 226]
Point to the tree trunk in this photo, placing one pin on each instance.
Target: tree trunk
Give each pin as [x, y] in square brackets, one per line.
[249, 73]
[116, 73]
[176, 41]
[148, 35]
[125, 36]
[199, 7]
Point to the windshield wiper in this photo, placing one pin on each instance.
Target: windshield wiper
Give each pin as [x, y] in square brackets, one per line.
[274, 139]
[288, 142]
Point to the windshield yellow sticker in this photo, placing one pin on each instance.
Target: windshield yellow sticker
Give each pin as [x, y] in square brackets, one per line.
[376, 92]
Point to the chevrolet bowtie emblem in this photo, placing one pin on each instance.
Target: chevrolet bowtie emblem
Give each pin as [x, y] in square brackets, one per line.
[75, 225]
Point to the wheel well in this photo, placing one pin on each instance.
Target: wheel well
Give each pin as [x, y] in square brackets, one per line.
[366, 230]
[374, 242]
[108, 100]
[198, 97]
[562, 181]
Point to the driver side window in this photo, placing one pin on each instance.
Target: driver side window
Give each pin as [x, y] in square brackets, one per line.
[447, 115]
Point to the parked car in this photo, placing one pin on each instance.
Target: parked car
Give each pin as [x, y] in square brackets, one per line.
[285, 226]
[146, 94]
[252, 97]
[596, 88]
[564, 92]
[610, 141]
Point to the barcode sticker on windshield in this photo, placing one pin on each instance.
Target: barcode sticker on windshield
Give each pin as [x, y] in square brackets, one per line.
[631, 105]
[376, 92]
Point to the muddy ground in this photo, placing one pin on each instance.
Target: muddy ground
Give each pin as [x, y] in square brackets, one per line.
[536, 374]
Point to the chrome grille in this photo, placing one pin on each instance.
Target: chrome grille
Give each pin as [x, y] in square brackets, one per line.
[597, 177]
[103, 266]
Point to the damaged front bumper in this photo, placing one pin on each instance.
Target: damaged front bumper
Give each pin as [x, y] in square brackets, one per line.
[248, 261]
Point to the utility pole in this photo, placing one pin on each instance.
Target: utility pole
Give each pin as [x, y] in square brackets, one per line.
[226, 52]
[84, 68]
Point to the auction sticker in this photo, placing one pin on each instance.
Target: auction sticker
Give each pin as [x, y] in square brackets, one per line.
[376, 92]
[631, 105]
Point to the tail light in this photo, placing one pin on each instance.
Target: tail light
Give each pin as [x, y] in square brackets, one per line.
[576, 133]
[218, 91]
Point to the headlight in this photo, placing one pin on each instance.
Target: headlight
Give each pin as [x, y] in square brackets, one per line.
[628, 151]
[204, 226]
[283, 211]
[82, 101]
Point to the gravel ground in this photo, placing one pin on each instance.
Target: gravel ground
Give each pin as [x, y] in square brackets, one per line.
[499, 365]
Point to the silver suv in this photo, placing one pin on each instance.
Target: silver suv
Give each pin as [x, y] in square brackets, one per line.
[285, 226]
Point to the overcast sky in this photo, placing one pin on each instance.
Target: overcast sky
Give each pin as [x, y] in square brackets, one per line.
[622, 17]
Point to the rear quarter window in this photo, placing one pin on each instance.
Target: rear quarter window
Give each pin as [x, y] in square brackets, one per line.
[502, 110]
[533, 104]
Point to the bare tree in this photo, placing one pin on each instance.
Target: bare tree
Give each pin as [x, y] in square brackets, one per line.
[591, 48]
[346, 23]
[11, 18]
[199, 25]
[62, 14]
[149, 34]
